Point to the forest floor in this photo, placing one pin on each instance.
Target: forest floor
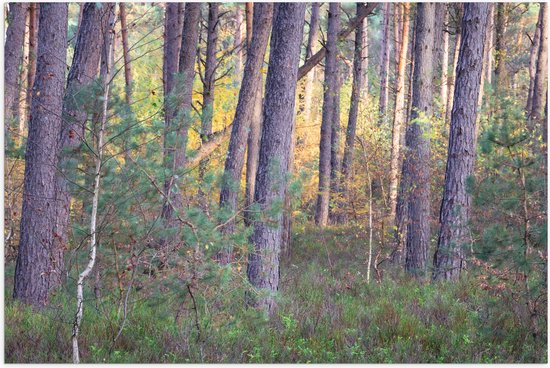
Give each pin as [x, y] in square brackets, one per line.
[327, 313]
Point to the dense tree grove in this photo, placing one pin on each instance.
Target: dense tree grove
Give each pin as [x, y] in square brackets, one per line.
[275, 182]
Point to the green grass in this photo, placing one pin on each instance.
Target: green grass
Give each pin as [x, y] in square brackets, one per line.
[327, 313]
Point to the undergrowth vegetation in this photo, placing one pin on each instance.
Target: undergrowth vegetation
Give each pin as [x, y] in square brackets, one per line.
[327, 313]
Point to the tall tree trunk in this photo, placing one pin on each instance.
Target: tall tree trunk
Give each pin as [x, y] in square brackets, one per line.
[313, 38]
[34, 10]
[491, 28]
[39, 265]
[444, 62]
[246, 108]
[486, 58]
[238, 38]
[385, 65]
[540, 84]
[358, 77]
[452, 78]
[335, 164]
[126, 53]
[263, 262]
[415, 182]
[13, 53]
[454, 233]
[330, 91]
[76, 106]
[209, 81]
[400, 114]
[365, 58]
[175, 139]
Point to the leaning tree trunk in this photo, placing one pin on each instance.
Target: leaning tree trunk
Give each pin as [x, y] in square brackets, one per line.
[278, 118]
[180, 96]
[415, 182]
[540, 84]
[323, 198]
[385, 65]
[358, 82]
[312, 40]
[13, 53]
[126, 53]
[533, 62]
[39, 265]
[76, 106]
[400, 114]
[452, 79]
[454, 233]
[246, 107]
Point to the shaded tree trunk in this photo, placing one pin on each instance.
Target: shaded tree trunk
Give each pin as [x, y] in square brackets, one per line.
[365, 57]
[540, 84]
[77, 104]
[358, 82]
[39, 265]
[246, 108]
[330, 91]
[415, 182]
[313, 38]
[452, 78]
[13, 53]
[335, 163]
[181, 96]
[454, 233]
[400, 114]
[385, 65]
[533, 62]
[444, 62]
[278, 117]
[126, 53]
[500, 47]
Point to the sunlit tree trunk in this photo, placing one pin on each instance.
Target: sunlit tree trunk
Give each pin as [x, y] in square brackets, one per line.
[238, 38]
[501, 75]
[540, 85]
[385, 64]
[39, 264]
[278, 117]
[34, 11]
[313, 37]
[454, 232]
[444, 62]
[452, 77]
[126, 53]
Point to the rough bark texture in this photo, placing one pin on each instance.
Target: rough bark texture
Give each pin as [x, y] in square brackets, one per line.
[540, 84]
[500, 47]
[358, 81]
[415, 182]
[454, 216]
[246, 107]
[278, 117]
[126, 53]
[400, 114]
[39, 265]
[385, 64]
[313, 38]
[175, 141]
[13, 54]
[330, 91]
[365, 57]
[77, 104]
[335, 162]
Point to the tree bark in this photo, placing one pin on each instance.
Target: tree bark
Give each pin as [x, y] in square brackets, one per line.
[126, 53]
[358, 82]
[415, 182]
[34, 10]
[175, 139]
[246, 107]
[39, 265]
[238, 38]
[330, 91]
[263, 262]
[444, 63]
[454, 233]
[385, 65]
[313, 38]
[13, 53]
[500, 47]
[452, 79]
[76, 106]
[540, 83]
[365, 57]
[533, 63]
[400, 114]
[335, 163]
